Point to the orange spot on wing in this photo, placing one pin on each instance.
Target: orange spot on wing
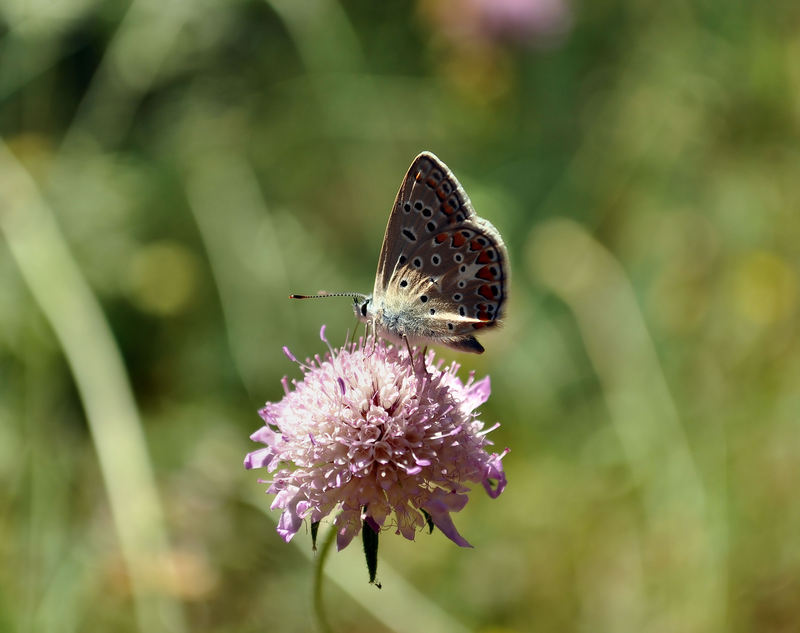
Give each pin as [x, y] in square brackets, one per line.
[485, 273]
[458, 240]
[486, 291]
[474, 245]
[448, 210]
[484, 258]
[441, 238]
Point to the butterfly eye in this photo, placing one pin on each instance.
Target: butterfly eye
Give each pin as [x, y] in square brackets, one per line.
[364, 308]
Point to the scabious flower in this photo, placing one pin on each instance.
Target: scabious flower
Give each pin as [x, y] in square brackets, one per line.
[473, 21]
[379, 439]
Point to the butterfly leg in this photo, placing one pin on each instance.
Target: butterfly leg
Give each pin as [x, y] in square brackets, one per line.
[411, 356]
[351, 340]
[422, 357]
[410, 353]
[374, 333]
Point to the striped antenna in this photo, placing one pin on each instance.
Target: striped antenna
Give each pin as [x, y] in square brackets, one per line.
[355, 295]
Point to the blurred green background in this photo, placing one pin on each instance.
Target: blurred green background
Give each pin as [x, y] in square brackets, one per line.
[171, 170]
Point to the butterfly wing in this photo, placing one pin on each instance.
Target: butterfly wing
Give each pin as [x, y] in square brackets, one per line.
[442, 268]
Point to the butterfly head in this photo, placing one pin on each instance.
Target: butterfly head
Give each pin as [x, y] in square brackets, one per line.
[363, 307]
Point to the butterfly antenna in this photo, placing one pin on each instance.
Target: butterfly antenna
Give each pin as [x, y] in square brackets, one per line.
[356, 295]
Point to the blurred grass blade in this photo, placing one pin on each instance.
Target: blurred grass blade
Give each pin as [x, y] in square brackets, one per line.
[73, 312]
[322, 33]
[245, 254]
[131, 64]
[687, 588]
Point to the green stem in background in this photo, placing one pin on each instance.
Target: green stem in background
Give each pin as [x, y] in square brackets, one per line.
[68, 303]
[400, 607]
[319, 573]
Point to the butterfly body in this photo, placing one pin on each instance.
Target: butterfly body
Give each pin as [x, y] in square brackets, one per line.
[398, 320]
[443, 271]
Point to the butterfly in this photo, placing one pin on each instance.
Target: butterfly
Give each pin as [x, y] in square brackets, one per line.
[442, 272]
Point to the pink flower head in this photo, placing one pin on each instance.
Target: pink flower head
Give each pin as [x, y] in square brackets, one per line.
[367, 433]
[522, 19]
[470, 21]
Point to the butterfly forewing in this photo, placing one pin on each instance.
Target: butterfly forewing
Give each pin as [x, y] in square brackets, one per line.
[429, 198]
[441, 262]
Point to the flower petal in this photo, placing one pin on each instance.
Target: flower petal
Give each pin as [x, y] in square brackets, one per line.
[265, 435]
[439, 512]
[477, 394]
[258, 459]
[347, 524]
[494, 471]
[290, 521]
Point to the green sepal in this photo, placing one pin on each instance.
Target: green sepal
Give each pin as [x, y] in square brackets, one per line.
[314, 530]
[428, 520]
[370, 540]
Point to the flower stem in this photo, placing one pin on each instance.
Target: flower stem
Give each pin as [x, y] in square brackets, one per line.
[319, 608]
